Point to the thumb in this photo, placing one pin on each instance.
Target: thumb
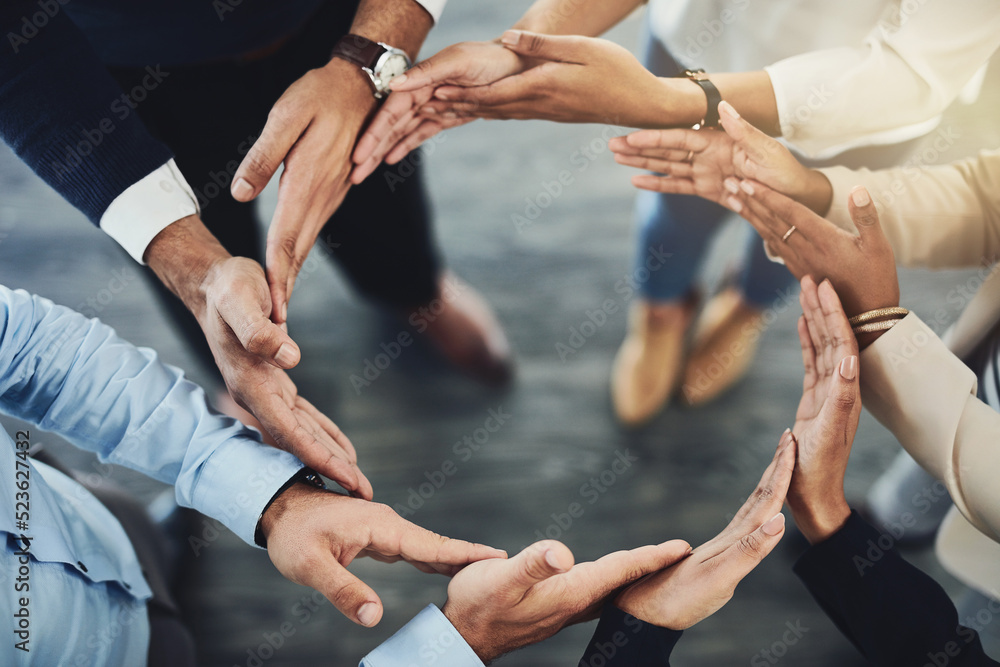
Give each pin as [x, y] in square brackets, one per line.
[547, 47]
[865, 215]
[257, 334]
[742, 557]
[537, 563]
[757, 145]
[843, 390]
[353, 597]
[434, 71]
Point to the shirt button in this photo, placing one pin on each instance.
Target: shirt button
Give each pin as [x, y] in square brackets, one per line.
[82, 566]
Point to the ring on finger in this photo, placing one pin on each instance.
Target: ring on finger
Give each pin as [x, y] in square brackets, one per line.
[791, 230]
[689, 157]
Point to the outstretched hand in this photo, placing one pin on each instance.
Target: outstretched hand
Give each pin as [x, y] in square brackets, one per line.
[499, 606]
[697, 587]
[708, 163]
[827, 418]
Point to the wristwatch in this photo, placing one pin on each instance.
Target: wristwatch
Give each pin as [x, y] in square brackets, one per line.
[381, 62]
[711, 119]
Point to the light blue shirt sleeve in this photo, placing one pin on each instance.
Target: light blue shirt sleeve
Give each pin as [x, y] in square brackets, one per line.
[74, 376]
[429, 639]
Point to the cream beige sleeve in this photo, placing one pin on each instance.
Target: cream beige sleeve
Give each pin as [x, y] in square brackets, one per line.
[945, 216]
[926, 396]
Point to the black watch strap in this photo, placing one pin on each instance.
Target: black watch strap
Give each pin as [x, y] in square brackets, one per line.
[711, 118]
[359, 50]
[306, 476]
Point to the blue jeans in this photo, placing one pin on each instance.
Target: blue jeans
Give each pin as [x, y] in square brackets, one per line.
[683, 226]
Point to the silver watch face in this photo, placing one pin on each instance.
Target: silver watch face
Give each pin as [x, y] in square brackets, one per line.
[390, 65]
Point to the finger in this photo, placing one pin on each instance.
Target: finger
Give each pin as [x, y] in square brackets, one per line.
[294, 434]
[397, 109]
[679, 169]
[742, 557]
[757, 145]
[789, 211]
[355, 599]
[681, 141]
[837, 324]
[363, 170]
[548, 47]
[769, 495]
[283, 128]
[670, 185]
[845, 393]
[339, 446]
[865, 216]
[818, 331]
[608, 574]
[393, 535]
[808, 354]
[537, 563]
[258, 335]
[431, 72]
[424, 131]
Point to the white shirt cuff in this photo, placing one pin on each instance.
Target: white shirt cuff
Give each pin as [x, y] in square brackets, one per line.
[148, 207]
[433, 7]
[429, 639]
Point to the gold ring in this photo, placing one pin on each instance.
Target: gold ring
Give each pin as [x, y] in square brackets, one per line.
[690, 155]
[791, 230]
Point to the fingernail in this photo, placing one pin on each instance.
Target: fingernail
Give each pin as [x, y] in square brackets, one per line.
[550, 558]
[774, 526]
[734, 204]
[732, 185]
[399, 79]
[286, 355]
[511, 37]
[450, 115]
[860, 197]
[849, 368]
[746, 187]
[242, 189]
[430, 111]
[728, 109]
[284, 312]
[368, 613]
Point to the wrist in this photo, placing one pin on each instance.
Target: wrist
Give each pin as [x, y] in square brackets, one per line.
[474, 631]
[819, 522]
[354, 86]
[297, 491]
[184, 256]
[682, 103]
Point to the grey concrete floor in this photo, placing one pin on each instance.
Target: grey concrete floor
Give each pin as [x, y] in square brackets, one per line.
[694, 466]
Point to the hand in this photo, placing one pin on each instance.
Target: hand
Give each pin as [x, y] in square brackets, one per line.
[861, 267]
[828, 414]
[230, 299]
[499, 606]
[697, 587]
[311, 129]
[581, 80]
[313, 535]
[717, 160]
[251, 352]
[398, 129]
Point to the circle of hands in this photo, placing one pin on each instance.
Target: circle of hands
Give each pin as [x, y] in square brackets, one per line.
[500, 603]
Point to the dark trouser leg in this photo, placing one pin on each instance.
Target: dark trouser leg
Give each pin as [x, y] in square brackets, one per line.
[209, 115]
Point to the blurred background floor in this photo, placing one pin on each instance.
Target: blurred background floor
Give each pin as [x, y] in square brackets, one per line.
[693, 468]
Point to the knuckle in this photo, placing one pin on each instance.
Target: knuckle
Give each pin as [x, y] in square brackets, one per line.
[256, 336]
[749, 545]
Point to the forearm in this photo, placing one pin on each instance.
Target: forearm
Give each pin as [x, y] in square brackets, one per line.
[403, 24]
[183, 256]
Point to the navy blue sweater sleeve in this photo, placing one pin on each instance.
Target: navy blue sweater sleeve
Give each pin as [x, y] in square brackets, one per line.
[622, 640]
[892, 612]
[63, 113]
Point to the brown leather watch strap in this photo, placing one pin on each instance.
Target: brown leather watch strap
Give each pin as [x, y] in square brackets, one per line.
[358, 50]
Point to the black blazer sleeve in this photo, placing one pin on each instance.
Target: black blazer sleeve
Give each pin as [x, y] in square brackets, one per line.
[892, 612]
[622, 640]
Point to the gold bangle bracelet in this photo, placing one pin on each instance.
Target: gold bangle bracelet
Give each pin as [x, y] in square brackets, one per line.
[878, 313]
[873, 327]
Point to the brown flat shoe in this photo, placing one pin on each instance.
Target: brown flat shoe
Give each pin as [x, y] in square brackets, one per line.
[649, 362]
[725, 342]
